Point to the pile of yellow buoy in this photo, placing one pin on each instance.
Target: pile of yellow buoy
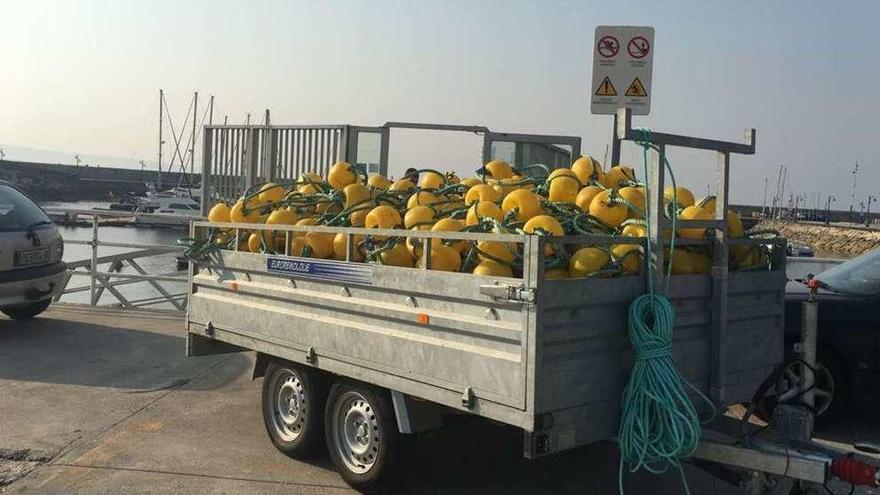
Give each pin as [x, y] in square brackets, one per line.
[581, 200]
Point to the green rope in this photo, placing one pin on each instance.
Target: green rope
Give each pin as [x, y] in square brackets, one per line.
[659, 424]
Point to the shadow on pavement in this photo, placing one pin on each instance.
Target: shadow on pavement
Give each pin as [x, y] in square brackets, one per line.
[55, 349]
[482, 457]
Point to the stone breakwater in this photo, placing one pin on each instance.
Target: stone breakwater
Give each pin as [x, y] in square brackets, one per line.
[832, 239]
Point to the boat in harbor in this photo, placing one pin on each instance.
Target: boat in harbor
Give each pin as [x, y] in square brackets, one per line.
[166, 211]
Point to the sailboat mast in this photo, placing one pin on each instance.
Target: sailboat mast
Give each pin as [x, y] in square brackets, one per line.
[161, 100]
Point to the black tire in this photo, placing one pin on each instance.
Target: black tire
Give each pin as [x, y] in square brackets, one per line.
[27, 311]
[298, 429]
[364, 414]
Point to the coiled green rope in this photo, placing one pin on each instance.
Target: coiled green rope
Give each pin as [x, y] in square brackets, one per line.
[659, 424]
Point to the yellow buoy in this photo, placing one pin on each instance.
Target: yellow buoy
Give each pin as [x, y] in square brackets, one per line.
[618, 176]
[694, 212]
[526, 203]
[495, 251]
[586, 261]
[563, 188]
[547, 224]
[378, 181]
[499, 169]
[482, 192]
[587, 170]
[237, 212]
[443, 258]
[483, 209]
[585, 197]
[629, 256]
[681, 262]
[219, 213]
[449, 225]
[489, 268]
[279, 217]
[612, 213]
[271, 193]
[423, 198]
[683, 196]
[383, 217]
[418, 216]
[340, 175]
[402, 185]
[431, 180]
[635, 197]
[340, 245]
[396, 256]
[254, 243]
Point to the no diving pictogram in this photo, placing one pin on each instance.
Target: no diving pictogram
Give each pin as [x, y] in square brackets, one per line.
[638, 47]
[608, 46]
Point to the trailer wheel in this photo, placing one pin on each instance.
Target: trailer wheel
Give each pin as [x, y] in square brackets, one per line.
[293, 402]
[362, 436]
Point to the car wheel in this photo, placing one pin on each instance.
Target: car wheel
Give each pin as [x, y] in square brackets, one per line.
[840, 399]
[293, 408]
[362, 437]
[27, 311]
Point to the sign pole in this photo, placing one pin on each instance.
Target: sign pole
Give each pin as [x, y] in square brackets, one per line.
[615, 146]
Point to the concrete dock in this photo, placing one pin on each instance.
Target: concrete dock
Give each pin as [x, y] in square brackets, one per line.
[104, 401]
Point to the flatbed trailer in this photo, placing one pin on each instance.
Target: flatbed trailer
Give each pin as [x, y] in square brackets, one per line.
[360, 355]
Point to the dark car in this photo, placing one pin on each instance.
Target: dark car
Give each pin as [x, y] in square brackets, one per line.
[849, 330]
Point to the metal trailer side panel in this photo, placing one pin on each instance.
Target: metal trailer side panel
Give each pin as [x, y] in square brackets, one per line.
[430, 334]
[586, 356]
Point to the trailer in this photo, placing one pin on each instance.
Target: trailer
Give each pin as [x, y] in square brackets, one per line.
[357, 356]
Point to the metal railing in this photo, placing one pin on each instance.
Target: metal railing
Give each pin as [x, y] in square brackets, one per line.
[111, 278]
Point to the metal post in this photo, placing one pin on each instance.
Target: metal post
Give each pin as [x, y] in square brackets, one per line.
[93, 267]
[192, 147]
[764, 204]
[809, 335]
[211, 111]
[720, 252]
[207, 158]
[615, 146]
[828, 209]
[658, 219]
[161, 105]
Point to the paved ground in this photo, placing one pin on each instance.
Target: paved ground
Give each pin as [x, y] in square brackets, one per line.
[103, 401]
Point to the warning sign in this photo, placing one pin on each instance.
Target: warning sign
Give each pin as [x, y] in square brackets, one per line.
[608, 46]
[638, 47]
[623, 57]
[606, 88]
[636, 89]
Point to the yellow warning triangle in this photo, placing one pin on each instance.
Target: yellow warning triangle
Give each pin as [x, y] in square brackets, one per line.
[606, 88]
[636, 88]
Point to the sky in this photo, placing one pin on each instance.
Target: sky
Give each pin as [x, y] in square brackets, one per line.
[83, 77]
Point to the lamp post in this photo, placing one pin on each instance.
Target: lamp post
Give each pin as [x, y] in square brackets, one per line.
[868, 213]
[828, 209]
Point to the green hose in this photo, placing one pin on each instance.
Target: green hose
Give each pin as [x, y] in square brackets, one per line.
[659, 424]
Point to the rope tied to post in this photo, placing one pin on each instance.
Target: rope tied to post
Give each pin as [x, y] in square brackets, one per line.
[659, 423]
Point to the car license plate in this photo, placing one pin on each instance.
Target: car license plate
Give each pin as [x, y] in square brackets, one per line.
[31, 256]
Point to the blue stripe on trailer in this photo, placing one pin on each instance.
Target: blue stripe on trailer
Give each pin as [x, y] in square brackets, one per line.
[321, 269]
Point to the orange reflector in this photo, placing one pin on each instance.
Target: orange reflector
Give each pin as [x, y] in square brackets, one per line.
[233, 285]
[424, 319]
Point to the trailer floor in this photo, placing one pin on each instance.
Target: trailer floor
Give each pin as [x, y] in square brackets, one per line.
[104, 401]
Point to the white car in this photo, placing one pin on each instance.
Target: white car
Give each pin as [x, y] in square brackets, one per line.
[31, 270]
